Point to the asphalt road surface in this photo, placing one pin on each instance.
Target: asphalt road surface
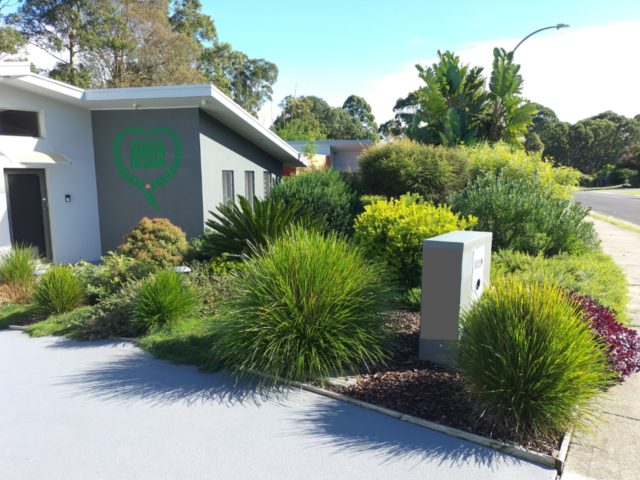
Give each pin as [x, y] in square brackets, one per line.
[624, 207]
[107, 410]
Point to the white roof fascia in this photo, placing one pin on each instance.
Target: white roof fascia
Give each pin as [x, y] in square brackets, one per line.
[206, 97]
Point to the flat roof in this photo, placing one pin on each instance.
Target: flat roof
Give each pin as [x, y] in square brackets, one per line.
[336, 145]
[205, 97]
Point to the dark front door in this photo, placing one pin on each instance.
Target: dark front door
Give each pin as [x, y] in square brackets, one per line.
[28, 210]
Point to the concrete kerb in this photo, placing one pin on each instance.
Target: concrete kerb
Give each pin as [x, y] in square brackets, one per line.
[526, 454]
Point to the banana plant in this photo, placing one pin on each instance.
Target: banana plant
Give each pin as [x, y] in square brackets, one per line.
[509, 114]
[453, 96]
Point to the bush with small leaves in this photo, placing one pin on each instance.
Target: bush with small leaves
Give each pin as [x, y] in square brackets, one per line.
[156, 241]
[526, 215]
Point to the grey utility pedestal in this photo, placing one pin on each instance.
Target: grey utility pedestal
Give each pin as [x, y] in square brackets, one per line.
[455, 268]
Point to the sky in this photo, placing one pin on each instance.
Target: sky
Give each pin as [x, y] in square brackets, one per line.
[369, 48]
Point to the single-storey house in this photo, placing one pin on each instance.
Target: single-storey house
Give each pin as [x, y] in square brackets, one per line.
[342, 155]
[82, 167]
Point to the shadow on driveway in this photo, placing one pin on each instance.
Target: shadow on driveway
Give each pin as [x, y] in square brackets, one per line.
[319, 422]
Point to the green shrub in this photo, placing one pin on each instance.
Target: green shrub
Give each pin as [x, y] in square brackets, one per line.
[155, 241]
[411, 299]
[393, 232]
[326, 193]
[594, 274]
[109, 318]
[309, 307]
[395, 168]
[111, 274]
[58, 290]
[490, 160]
[238, 230]
[162, 299]
[17, 265]
[371, 199]
[525, 215]
[529, 360]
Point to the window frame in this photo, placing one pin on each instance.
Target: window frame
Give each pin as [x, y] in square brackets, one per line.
[226, 174]
[249, 180]
[40, 118]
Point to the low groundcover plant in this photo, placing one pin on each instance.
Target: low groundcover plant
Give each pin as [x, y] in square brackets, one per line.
[622, 344]
[307, 307]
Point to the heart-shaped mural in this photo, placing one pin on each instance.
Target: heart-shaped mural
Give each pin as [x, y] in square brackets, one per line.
[147, 154]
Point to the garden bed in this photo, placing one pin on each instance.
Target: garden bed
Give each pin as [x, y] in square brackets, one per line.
[429, 391]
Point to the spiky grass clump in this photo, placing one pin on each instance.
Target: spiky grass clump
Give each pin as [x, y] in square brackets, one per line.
[162, 299]
[307, 307]
[59, 290]
[530, 359]
[16, 280]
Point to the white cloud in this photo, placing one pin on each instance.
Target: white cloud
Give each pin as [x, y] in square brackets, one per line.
[37, 56]
[576, 72]
[416, 41]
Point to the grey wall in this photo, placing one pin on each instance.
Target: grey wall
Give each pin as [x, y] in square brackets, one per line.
[121, 206]
[224, 149]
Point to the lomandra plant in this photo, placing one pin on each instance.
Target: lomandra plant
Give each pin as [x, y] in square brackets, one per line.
[58, 290]
[17, 265]
[162, 299]
[307, 307]
[529, 359]
[16, 279]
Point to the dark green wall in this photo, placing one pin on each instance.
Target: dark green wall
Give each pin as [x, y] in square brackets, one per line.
[120, 204]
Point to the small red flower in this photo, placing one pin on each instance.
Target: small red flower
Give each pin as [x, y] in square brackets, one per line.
[115, 272]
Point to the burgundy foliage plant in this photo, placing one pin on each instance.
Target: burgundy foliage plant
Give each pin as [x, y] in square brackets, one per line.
[623, 344]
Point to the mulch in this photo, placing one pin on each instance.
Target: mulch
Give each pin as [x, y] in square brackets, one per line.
[429, 391]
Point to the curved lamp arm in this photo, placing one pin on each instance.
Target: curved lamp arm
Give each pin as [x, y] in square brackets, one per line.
[557, 27]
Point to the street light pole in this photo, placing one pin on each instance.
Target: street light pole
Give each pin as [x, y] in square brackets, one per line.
[557, 27]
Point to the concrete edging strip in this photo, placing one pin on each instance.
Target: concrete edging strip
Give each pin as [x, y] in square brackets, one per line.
[549, 461]
[17, 327]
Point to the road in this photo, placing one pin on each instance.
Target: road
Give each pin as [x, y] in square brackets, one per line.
[624, 207]
[107, 410]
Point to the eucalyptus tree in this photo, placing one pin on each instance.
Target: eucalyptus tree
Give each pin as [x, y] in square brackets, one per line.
[11, 40]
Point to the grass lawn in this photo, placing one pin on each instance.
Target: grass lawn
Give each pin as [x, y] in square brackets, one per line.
[187, 342]
[613, 222]
[61, 324]
[14, 314]
[620, 191]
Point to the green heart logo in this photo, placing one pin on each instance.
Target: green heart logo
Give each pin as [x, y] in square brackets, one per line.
[147, 154]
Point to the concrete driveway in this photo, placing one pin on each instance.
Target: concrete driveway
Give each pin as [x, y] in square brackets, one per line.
[105, 409]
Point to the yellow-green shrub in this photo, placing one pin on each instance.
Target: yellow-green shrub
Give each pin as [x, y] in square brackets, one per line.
[516, 164]
[393, 231]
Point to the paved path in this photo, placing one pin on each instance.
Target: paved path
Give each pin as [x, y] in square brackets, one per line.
[613, 451]
[106, 410]
[622, 206]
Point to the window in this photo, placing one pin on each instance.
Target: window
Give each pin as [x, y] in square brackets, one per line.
[267, 183]
[228, 194]
[249, 187]
[19, 123]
